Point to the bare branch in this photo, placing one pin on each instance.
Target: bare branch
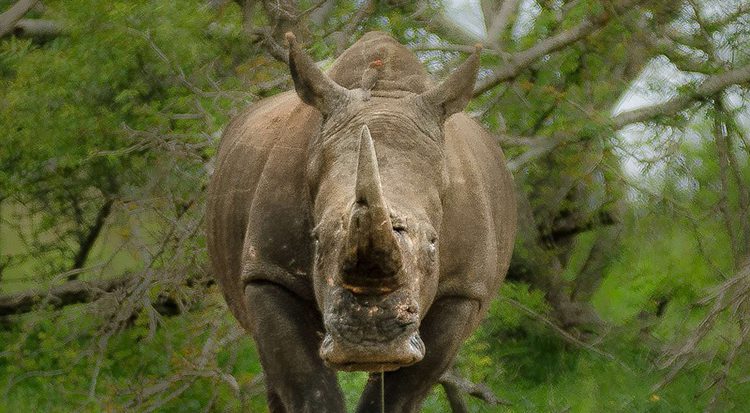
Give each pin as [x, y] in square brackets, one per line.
[342, 37]
[450, 48]
[721, 140]
[531, 141]
[80, 292]
[740, 181]
[444, 25]
[733, 293]
[742, 9]
[708, 88]
[455, 398]
[517, 62]
[9, 19]
[72, 292]
[479, 390]
[500, 22]
[544, 147]
[672, 51]
[312, 9]
[92, 234]
[489, 7]
[266, 39]
[564, 334]
[720, 381]
[38, 28]
[284, 16]
[248, 10]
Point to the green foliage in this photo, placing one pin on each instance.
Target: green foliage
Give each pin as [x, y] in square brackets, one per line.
[85, 109]
[128, 105]
[134, 359]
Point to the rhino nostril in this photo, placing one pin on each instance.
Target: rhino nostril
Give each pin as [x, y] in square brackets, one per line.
[327, 344]
[417, 345]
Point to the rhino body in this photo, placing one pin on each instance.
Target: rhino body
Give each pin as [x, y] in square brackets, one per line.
[297, 204]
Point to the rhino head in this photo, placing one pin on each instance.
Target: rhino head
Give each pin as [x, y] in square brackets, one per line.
[376, 176]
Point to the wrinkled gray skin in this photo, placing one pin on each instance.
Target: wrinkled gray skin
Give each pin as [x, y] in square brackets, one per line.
[360, 230]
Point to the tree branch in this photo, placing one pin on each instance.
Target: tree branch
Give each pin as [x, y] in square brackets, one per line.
[519, 61]
[80, 292]
[37, 28]
[284, 16]
[706, 89]
[87, 243]
[731, 296]
[709, 87]
[455, 398]
[721, 140]
[72, 292]
[444, 26]
[9, 19]
[671, 50]
[342, 37]
[248, 10]
[277, 51]
[544, 146]
[479, 390]
[740, 181]
[449, 47]
[500, 22]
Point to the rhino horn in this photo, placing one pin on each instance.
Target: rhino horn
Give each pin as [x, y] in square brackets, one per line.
[372, 251]
[453, 94]
[368, 190]
[312, 85]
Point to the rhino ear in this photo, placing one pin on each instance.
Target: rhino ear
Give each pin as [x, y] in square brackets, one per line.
[312, 85]
[453, 94]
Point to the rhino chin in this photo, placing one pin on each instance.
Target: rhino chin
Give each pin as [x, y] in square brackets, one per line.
[339, 354]
[371, 333]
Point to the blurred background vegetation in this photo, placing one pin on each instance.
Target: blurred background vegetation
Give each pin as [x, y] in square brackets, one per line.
[625, 122]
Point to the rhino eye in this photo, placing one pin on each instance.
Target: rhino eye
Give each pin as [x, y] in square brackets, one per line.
[399, 225]
[432, 247]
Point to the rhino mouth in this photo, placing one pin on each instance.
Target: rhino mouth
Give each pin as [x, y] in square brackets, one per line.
[371, 332]
[342, 355]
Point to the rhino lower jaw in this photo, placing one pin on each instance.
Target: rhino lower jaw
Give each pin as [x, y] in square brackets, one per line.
[342, 355]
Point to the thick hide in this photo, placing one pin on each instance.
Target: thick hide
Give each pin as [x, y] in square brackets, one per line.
[364, 207]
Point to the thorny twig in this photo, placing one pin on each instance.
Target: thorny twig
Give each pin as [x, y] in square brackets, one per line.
[562, 333]
[732, 296]
[478, 390]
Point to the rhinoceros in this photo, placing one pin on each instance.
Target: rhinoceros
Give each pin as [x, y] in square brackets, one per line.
[362, 223]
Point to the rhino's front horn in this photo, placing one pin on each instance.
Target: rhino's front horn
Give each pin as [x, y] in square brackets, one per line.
[372, 254]
[369, 190]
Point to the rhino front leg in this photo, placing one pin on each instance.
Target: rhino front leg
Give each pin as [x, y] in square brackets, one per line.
[287, 331]
[446, 326]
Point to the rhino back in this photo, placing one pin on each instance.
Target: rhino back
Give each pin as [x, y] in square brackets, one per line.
[257, 206]
[479, 221]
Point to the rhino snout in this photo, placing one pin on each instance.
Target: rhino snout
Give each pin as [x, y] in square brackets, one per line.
[340, 354]
[370, 333]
